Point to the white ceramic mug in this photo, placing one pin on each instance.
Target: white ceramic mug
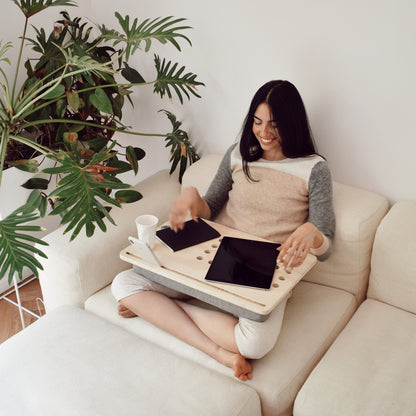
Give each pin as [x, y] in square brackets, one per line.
[146, 228]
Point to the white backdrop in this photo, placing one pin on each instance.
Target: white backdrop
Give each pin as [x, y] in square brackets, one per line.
[354, 63]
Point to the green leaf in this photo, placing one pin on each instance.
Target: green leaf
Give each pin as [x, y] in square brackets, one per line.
[161, 29]
[167, 78]
[15, 253]
[82, 191]
[121, 166]
[133, 155]
[140, 153]
[181, 149]
[101, 101]
[33, 202]
[3, 50]
[98, 143]
[132, 158]
[132, 75]
[31, 7]
[36, 183]
[73, 100]
[27, 165]
[125, 197]
[55, 92]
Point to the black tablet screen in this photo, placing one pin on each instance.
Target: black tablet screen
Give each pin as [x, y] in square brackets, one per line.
[192, 234]
[244, 262]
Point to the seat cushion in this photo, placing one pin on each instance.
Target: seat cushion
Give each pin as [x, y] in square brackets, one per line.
[393, 263]
[369, 370]
[71, 362]
[314, 316]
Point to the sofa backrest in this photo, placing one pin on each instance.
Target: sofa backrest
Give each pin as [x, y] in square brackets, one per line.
[358, 213]
[393, 263]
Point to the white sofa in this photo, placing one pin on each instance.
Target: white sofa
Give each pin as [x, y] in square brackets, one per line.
[79, 273]
[370, 368]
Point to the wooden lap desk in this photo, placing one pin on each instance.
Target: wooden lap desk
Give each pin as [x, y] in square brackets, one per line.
[185, 272]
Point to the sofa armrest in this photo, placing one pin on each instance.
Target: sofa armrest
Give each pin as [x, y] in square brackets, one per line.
[75, 270]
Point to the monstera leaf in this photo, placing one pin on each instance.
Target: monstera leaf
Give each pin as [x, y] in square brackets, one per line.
[16, 246]
[170, 77]
[84, 190]
[181, 149]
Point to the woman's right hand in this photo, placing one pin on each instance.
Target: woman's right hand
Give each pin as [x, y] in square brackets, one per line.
[191, 202]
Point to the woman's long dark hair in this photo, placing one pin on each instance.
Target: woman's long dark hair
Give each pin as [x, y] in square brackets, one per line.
[291, 119]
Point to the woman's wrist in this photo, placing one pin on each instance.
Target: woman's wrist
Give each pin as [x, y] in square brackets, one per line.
[322, 248]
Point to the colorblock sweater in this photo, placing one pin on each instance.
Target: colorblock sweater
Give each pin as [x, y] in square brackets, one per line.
[284, 195]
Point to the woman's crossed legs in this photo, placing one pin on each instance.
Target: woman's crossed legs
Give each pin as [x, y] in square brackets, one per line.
[218, 334]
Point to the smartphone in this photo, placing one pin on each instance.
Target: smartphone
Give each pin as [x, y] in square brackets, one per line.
[144, 251]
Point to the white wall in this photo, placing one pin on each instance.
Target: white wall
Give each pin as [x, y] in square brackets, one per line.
[354, 63]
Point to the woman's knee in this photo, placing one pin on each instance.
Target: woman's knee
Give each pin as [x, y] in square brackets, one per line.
[256, 339]
[252, 343]
[128, 283]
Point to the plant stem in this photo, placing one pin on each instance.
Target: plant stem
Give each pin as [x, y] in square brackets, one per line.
[3, 149]
[86, 123]
[20, 58]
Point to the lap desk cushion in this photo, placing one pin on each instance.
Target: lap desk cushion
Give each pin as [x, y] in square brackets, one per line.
[278, 376]
[71, 362]
[369, 370]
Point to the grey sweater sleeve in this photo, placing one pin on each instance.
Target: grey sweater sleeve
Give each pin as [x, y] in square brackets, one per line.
[321, 209]
[217, 193]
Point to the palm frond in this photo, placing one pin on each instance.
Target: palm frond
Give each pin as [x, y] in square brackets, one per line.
[162, 29]
[167, 78]
[31, 7]
[16, 247]
[3, 49]
[83, 190]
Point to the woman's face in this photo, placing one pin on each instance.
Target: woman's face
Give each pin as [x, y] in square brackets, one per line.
[265, 130]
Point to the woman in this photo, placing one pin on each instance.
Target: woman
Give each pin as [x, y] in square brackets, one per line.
[273, 185]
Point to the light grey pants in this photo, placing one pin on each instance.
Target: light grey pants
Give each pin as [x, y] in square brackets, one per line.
[254, 339]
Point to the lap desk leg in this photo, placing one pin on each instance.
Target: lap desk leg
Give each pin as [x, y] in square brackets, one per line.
[72, 362]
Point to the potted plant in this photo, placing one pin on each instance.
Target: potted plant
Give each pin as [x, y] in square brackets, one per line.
[68, 110]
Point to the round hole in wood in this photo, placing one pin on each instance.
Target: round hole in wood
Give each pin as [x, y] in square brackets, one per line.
[200, 258]
[214, 246]
[209, 261]
[281, 278]
[275, 285]
[207, 251]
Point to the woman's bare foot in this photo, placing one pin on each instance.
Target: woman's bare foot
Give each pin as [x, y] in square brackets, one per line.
[125, 312]
[241, 367]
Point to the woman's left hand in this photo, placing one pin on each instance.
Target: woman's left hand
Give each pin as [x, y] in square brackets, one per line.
[295, 249]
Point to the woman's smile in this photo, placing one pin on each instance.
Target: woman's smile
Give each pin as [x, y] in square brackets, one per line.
[265, 130]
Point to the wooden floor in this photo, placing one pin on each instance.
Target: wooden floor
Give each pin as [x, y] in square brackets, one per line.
[10, 323]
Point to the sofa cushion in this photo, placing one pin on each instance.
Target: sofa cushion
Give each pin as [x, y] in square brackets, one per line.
[393, 264]
[71, 362]
[369, 370]
[314, 316]
[358, 213]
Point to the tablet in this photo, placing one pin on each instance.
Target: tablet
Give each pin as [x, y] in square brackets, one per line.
[193, 233]
[244, 262]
